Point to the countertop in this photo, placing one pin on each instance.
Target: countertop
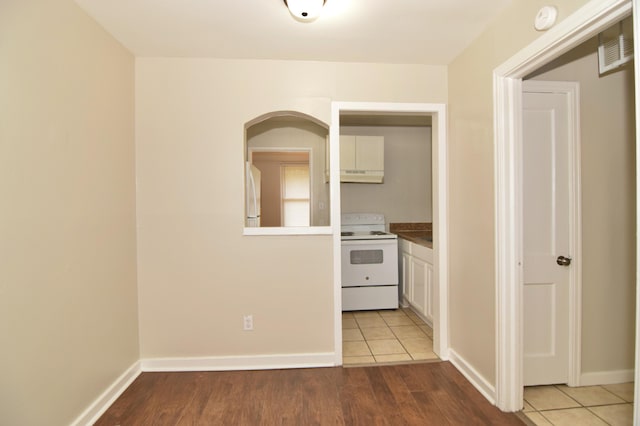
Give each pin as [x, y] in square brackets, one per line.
[419, 233]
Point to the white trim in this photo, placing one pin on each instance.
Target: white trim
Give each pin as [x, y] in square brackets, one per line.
[572, 91]
[583, 24]
[98, 407]
[480, 383]
[607, 377]
[440, 162]
[334, 190]
[636, 65]
[281, 230]
[230, 363]
[440, 209]
[509, 391]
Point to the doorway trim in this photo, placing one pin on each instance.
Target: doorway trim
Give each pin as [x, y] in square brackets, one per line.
[578, 27]
[440, 211]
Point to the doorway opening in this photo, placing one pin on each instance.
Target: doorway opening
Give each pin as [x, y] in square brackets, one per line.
[582, 25]
[440, 237]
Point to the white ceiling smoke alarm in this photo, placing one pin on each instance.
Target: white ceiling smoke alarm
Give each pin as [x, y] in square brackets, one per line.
[545, 18]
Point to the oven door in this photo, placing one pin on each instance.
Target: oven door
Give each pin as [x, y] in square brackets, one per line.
[369, 262]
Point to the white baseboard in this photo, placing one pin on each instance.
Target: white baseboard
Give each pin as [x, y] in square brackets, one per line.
[224, 363]
[104, 401]
[480, 383]
[607, 377]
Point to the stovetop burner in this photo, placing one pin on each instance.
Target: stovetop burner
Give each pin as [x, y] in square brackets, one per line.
[366, 235]
[352, 233]
[364, 226]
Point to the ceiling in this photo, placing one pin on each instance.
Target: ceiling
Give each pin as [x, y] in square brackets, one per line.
[429, 32]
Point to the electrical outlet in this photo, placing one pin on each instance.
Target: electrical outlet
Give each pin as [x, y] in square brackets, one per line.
[247, 323]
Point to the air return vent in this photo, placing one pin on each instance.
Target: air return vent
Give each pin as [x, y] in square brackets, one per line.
[615, 46]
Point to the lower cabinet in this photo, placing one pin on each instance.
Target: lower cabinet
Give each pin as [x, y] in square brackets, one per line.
[417, 278]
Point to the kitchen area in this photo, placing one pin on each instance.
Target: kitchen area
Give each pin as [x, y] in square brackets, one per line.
[387, 240]
[387, 278]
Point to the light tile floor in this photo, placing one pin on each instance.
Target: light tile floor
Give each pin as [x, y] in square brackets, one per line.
[370, 337]
[561, 405]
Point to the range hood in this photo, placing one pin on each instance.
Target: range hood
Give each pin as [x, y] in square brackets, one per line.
[361, 159]
[362, 176]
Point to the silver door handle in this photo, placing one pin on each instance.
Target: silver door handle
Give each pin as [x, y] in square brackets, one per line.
[563, 261]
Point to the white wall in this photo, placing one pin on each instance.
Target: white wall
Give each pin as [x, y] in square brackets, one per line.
[608, 207]
[198, 274]
[471, 178]
[68, 300]
[405, 195]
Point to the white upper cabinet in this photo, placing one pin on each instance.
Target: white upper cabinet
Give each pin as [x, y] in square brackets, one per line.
[361, 159]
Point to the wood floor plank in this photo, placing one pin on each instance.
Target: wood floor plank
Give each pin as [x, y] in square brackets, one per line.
[411, 394]
[411, 409]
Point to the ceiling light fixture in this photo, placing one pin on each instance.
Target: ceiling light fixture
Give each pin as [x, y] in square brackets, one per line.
[305, 10]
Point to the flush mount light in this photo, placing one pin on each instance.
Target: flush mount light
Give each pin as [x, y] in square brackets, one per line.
[305, 10]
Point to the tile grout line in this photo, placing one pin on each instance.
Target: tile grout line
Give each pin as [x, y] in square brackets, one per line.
[415, 322]
[581, 405]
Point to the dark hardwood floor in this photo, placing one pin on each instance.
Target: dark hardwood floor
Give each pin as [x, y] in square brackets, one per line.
[409, 394]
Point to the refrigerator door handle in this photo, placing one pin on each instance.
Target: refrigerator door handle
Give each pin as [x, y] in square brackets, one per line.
[252, 182]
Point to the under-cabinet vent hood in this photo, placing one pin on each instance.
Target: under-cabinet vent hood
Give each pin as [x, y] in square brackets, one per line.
[361, 159]
[362, 176]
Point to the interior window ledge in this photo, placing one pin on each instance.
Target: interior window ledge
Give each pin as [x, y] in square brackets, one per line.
[303, 230]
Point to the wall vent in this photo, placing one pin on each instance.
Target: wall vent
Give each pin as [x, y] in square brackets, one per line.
[615, 46]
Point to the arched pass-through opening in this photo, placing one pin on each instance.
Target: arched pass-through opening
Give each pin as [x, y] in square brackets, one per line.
[273, 140]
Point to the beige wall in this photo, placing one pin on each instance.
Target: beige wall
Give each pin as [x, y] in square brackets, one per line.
[198, 274]
[405, 195]
[471, 170]
[608, 207]
[68, 304]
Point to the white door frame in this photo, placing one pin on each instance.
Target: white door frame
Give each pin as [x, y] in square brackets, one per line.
[571, 90]
[580, 26]
[440, 212]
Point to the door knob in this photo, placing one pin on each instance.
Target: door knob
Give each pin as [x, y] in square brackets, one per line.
[563, 261]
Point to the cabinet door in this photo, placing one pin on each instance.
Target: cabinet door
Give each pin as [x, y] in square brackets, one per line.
[419, 274]
[407, 287]
[369, 153]
[347, 152]
[429, 286]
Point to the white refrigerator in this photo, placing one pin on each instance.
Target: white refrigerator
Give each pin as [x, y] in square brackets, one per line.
[252, 217]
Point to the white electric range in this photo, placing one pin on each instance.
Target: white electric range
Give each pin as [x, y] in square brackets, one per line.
[369, 263]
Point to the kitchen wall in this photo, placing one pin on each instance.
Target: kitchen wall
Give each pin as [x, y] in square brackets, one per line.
[68, 298]
[472, 320]
[198, 275]
[405, 195]
[608, 207]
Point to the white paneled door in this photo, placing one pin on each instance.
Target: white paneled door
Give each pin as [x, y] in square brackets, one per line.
[547, 215]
